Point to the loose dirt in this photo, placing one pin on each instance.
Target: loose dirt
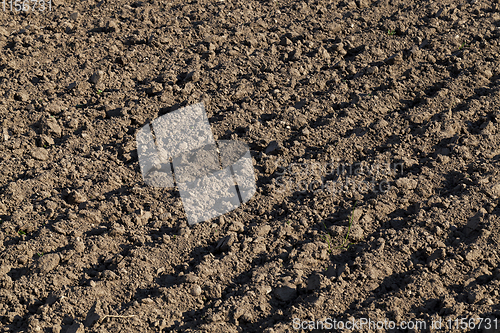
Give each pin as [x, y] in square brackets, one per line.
[374, 134]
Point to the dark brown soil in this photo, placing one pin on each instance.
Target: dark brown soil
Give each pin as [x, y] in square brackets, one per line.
[374, 129]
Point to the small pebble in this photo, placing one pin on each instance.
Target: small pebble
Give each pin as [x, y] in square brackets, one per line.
[40, 154]
[196, 290]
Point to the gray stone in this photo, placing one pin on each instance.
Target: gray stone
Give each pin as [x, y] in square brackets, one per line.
[40, 154]
[196, 290]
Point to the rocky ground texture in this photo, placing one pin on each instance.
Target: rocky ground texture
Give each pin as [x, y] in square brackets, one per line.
[313, 88]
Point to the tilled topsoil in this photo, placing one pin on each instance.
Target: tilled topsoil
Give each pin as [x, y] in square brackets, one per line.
[373, 128]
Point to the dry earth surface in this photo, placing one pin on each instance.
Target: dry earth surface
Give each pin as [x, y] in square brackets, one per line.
[374, 133]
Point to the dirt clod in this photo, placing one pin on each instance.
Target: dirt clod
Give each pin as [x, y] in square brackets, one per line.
[48, 262]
